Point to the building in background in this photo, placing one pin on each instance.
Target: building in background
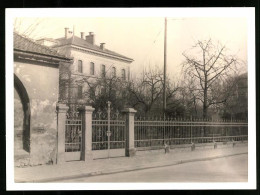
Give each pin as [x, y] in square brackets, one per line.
[90, 62]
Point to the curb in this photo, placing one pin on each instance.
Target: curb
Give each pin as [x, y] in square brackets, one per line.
[127, 169]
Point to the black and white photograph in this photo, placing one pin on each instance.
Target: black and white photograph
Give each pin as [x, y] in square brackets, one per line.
[131, 98]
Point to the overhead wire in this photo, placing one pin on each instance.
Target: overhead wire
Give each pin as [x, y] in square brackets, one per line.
[150, 48]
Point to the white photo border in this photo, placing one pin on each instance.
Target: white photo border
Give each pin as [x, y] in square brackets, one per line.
[248, 13]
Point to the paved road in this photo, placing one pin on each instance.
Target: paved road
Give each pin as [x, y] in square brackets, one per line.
[228, 169]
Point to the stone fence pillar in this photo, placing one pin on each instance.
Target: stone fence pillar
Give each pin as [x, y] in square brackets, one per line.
[87, 133]
[130, 136]
[61, 117]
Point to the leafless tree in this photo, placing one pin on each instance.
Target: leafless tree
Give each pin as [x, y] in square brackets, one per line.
[208, 64]
[28, 30]
[146, 92]
[107, 88]
[188, 93]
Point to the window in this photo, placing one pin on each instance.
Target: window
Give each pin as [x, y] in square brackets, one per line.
[103, 91]
[92, 68]
[103, 71]
[92, 93]
[123, 74]
[113, 72]
[113, 93]
[80, 68]
[79, 91]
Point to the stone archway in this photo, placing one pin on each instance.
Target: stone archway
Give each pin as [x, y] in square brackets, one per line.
[22, 116]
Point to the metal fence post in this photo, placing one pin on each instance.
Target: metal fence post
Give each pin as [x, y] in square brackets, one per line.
[87, 133]
[61, 117]
[108, 128]
[130, 136]
[191, 128]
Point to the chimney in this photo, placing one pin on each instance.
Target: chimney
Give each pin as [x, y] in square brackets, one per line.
[102, 46]
[90, 38]
[82, 35]
[66, 33]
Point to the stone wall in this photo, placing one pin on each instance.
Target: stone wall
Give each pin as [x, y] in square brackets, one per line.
[41, 82]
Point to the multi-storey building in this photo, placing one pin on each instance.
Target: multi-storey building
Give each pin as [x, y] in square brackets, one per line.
[91, 62]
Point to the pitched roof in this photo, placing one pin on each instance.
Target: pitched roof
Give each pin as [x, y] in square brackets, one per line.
[25, 44]
[83, 43]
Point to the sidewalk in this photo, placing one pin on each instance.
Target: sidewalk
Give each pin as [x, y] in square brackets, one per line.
[77, 169]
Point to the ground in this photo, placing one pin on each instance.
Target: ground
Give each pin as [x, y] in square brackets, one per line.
[228, 169]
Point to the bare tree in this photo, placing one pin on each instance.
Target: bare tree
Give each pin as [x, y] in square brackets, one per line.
[207, 64]
[107, 88]
[188, 93]
[28, 30]
[146, 91]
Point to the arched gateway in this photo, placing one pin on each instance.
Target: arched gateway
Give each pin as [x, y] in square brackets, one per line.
[21, 117]
[36, 92]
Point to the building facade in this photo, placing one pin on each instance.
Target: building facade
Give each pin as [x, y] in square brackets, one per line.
[90, 62]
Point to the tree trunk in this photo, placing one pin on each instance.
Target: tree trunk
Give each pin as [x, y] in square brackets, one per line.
[205, 99]
[205, 107]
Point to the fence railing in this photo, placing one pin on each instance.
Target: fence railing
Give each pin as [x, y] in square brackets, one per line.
[73, 132]
[110, 130]
[157, 133]
[108, 134]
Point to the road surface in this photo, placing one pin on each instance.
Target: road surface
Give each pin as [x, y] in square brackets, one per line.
[228, 169]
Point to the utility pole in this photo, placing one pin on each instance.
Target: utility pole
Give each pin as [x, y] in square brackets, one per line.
[73, 32]
[108, 128]
[164, 72]
[164, 77]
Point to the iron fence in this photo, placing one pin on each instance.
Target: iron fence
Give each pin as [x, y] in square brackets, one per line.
[156, 133]
[108, 130]
[73, 132]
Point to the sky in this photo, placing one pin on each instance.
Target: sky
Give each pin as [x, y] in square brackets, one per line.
[142, 39]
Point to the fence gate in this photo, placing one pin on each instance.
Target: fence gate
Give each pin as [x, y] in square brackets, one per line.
[108, 134]
[73, 136]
